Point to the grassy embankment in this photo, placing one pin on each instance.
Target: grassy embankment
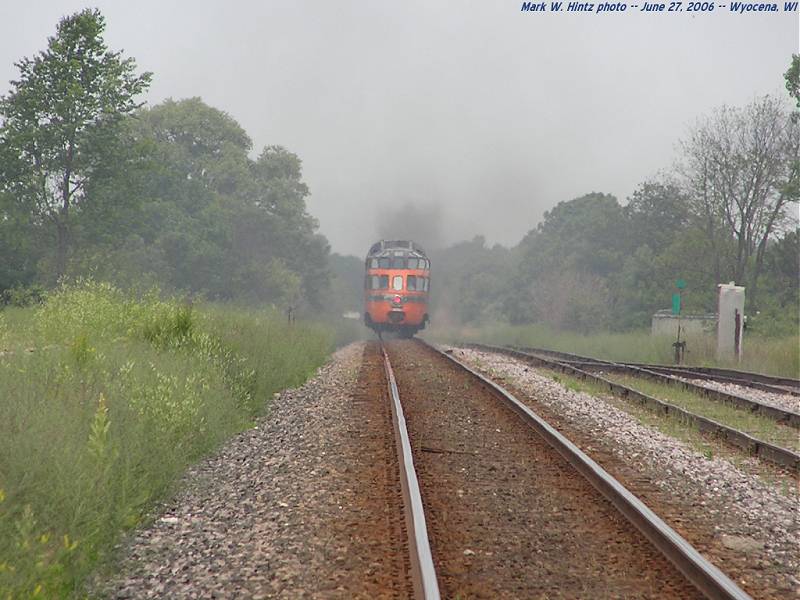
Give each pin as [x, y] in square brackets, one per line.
[117, 397]
[777, 356]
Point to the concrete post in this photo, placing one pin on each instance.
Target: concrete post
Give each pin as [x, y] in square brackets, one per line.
[730, 303]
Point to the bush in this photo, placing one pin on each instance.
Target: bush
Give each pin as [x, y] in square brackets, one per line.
[22, 296]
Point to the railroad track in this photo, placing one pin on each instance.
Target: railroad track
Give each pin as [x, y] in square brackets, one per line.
[777, 455]
[480, 470]
[758, 381]
[678, 375]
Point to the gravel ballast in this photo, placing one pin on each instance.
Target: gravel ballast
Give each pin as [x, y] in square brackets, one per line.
[747, 527]
[782, 401]
[299, 506]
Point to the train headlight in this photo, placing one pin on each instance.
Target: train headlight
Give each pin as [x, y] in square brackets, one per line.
[397, 300]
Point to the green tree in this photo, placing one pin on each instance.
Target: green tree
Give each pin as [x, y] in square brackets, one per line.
[18, 247]
[656, 213]
[792, 77]
[469, 280]
[207, 219]
[740, 172]
[60, 121]
[584, 235]
[201, 143]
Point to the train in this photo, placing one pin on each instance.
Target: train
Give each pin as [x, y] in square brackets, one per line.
[396, 288]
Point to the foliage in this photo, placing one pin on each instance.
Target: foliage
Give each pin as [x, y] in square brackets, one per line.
[469, 280]
[91, 184]
[59, 121]
[210, 220]
[121, 394]
[22, 296]
[792, 77]
[740, 171]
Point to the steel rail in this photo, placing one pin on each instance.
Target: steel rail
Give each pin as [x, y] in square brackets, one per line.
[781, 415]
[693, 373]
[423, 573]
[664, 375]
[764, 450]
[694, 566]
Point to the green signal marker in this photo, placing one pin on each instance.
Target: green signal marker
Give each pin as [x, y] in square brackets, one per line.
[676, 304]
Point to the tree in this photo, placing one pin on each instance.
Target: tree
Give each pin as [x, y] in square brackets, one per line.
[657, 212]
[59, 122]
[585, 234]
[740, 173]
[18, 249]
[792, 77]
[471, 280]
[201, 143]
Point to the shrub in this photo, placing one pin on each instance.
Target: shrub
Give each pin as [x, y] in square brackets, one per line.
[22, 296]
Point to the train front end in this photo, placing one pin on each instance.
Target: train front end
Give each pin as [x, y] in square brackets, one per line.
[396, 287]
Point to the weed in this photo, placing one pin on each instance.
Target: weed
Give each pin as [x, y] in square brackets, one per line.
[131, 390]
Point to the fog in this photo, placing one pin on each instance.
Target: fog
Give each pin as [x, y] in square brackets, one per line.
[459, 118]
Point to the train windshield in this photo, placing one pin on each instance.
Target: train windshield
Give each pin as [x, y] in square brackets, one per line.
[397, 283]
[417, 284]
[378, 282]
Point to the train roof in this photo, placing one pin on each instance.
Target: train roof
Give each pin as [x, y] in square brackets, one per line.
[393, 247]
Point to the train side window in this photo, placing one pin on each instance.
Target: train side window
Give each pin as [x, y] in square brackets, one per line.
[424, 284]
[411, 283]
[397, 283]
[412, 263]
[398, 263]
[373, 263]
[384, 263]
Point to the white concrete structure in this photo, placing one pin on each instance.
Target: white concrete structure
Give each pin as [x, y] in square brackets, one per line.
[664, 323]
[730, 326]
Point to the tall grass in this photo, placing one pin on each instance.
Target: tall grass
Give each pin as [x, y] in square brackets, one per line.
[118, 397]
[779, 356]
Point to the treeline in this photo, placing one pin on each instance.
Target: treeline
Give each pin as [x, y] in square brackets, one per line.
[726, 212]
[94, 184]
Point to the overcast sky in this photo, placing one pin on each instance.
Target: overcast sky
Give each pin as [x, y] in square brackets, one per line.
[470, 110]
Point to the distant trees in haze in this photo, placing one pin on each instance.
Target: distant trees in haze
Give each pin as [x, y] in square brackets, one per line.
[93, 184]
[728, 212]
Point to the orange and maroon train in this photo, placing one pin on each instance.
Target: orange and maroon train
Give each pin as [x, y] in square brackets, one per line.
[396, 288]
